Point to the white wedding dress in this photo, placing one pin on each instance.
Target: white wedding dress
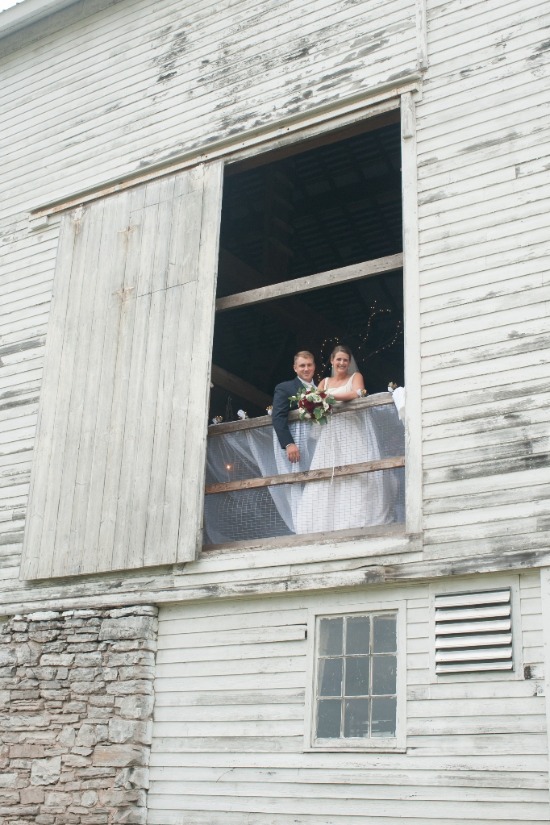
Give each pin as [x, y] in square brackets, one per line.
[344, 502]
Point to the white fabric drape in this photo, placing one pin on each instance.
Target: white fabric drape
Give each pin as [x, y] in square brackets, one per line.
[374, 432]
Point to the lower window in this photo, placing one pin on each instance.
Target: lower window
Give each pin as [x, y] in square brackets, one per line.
[356, 695]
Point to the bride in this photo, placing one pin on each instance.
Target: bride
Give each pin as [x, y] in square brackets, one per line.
[346, 501]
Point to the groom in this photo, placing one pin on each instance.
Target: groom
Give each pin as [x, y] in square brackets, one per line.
[304, 367]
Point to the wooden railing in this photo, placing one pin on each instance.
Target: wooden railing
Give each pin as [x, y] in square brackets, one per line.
[219, 430]
[230, 457]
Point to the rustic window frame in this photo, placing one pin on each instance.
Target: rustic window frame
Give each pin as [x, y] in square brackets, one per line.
[395, 744]
[407, 260]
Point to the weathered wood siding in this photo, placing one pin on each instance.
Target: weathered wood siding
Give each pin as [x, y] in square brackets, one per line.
[228, 735]
[484, 200]
[101, 96]
[122, 434]
[141, 82]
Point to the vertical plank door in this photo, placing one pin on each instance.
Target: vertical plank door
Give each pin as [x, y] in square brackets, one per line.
[118, 469]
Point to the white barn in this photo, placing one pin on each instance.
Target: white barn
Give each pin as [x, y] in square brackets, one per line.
[190, 193]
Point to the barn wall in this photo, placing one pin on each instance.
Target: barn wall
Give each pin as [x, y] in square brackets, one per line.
[484, 197]
[140, 83]
[228, 731]
[483, 204]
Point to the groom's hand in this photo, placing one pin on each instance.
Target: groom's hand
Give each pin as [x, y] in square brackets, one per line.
[292, 453]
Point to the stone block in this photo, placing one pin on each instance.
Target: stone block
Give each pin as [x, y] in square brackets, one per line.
[28, 654]
[134, 610]
[45, 771]
[43, 616]
[137, 672]
[82, 637]
[98, 714]
[133, 778]
[121, 798]
[136, 644]
[128, 627]
[85, 674]
[136, 707]
[90, 735]
[41, 636]
[67, 737]
[130, 687]
[124, 730]
[5, 696]
[67, 818]
[101, 700]
[88, 799]
[24, 751]
[96, 817]
[119, 756]
[58, 799]
[23, 722]
[45, 819]
[132, 816]
[8, 797]
[75, 760]
[90, 659]
[76, 707]
[60, 659]
[8, 657]
[31, 796]
[85, 688]
[8, 780]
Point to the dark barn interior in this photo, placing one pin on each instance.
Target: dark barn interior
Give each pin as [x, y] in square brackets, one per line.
[324, 207]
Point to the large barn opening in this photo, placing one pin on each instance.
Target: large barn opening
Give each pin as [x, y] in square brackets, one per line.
[322, 206]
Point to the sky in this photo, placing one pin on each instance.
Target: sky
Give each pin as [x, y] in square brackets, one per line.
[5, 4]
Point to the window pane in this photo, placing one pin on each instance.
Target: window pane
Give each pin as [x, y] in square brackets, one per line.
[330, 637]
[383, 717]
[358, 634]
[384, 674]
[357, 676]
[328, 718]
[330, 677]
[356, 717]
[385, 635]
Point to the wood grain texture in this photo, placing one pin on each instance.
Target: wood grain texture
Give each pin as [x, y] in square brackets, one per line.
[101, 471]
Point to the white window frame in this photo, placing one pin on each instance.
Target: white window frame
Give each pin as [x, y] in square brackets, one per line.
[478, 585]
[395, 744]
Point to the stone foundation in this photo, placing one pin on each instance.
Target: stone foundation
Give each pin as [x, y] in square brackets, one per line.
[76, 704]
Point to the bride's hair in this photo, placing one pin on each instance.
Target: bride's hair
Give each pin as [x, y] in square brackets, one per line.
[352, 362]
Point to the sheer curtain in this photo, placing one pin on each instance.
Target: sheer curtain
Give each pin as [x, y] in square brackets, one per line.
[376, 432]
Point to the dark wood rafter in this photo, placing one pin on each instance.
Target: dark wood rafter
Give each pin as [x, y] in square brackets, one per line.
[278, 225]
[371, 187]
[316, 214]
[241, 388]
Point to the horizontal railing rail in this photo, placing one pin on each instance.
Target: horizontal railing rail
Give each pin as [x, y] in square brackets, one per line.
[217, 430]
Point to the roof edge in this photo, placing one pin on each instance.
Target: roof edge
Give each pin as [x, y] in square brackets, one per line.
[27, 12]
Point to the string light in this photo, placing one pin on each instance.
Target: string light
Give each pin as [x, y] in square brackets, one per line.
[359, 348]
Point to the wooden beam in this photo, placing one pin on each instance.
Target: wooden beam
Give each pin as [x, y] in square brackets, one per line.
[306, 475]
[295, 313]
[355, 272]
[378, 399]
[232, 383]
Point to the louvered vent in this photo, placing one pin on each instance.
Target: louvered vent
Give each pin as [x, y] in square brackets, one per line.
[473, 632]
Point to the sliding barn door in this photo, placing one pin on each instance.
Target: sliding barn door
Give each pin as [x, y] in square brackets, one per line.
[117, 480]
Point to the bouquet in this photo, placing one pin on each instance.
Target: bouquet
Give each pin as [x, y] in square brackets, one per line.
[313, 405]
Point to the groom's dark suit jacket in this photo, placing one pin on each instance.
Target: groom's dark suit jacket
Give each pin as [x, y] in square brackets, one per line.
[281, 409]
